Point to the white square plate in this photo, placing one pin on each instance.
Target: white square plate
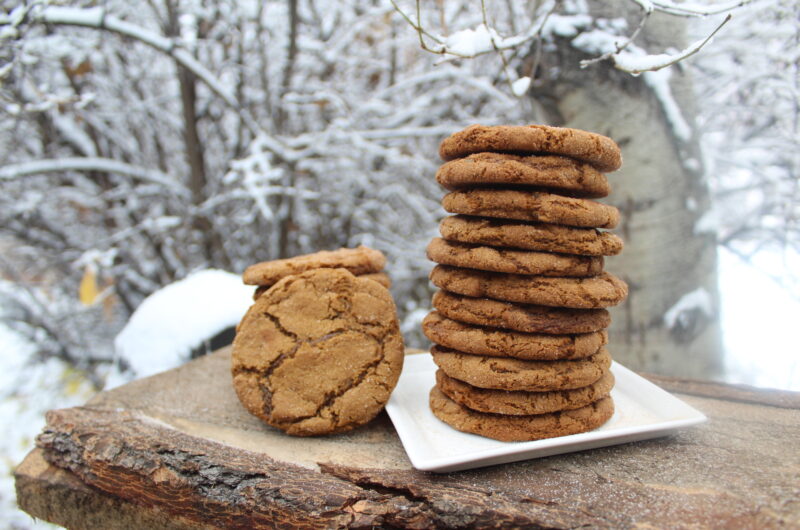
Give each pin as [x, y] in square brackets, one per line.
[642, 411]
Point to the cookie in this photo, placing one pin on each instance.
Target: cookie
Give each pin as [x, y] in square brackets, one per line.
[530, 236]
[380, 277]
[318, 353]
[512, 261]
[522, 403]
[603, 290]
[490, 169]
[519, 317]
[508, 428]
[600, 151]
[502, 343]
[361, 260]
[504, 373]
[536, 206]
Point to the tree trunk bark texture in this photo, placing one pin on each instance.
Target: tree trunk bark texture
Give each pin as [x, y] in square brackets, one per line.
[660, 193]
[178, 447]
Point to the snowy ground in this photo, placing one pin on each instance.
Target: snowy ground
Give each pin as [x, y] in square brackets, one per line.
[40, 387]
[759, 318]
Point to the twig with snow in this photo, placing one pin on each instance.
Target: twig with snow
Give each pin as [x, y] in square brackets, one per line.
[637, 64]
[98, 18]
[693, 9]
[86, 164]
[483, 39]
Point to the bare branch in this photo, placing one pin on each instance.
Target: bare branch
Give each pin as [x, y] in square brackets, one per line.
[620, 47]
[104, 165]
[633, 64]
[97, 18]
[691, 9]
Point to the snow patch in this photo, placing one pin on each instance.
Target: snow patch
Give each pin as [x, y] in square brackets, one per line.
[172, 321]
[699, 299]
[659, 83]
[565, 25]
[470, 42]
[520, 86]
[709, 223]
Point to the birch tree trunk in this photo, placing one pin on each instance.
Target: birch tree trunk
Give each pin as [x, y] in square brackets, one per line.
[670, 322]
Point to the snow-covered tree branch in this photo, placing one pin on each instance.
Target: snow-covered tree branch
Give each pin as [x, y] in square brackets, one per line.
[567, 19]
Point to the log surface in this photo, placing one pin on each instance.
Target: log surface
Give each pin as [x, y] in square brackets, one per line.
[179, 447]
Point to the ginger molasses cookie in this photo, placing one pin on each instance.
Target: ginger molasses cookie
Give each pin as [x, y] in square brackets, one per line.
[603, 290]
[505, 373]
[531, 206]
[480, 340]
[360, 260]
[380, 277]
[519, 317]
[318, 353]
[509, 428]
[600, 151]
[530, 236]
[490, 169]
[520, 403]
[512, 261]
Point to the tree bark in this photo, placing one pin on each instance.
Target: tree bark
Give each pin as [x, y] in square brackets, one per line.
[661, 194]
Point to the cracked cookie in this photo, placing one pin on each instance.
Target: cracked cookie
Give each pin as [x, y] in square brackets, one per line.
[519, 403]
[505, 373]
[360, 260]
[519, 317]
[531, 206]
[603, 290]
[598, 150]
[511, 261]
[500, 169]
[509, 428]
[502, 343]
[530, 236]
[318, 353]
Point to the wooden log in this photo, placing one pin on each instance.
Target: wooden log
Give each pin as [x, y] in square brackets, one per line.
[58, 496]
[180, 443]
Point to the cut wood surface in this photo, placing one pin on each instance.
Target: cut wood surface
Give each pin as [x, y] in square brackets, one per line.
[178, 450]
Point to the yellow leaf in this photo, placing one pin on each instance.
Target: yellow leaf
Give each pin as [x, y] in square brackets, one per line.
[88, 291]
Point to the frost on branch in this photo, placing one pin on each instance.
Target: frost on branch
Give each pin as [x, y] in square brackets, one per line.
[283, 154]
[523, 32]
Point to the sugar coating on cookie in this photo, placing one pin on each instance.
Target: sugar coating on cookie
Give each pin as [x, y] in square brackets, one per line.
[519, 403]
[536, 206]
[603, 290]
[509, 428]
[480, 340]
[318, 353]
[530, 236]
[519, 317]
[600, 151]
[501, 169]
[512, 261]
[360, 260]
[505, 373]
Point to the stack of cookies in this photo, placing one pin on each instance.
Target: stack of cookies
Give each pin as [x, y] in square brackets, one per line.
[519, 324]
[320, 350]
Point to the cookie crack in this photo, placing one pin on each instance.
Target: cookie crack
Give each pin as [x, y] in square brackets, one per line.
[350, 383]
